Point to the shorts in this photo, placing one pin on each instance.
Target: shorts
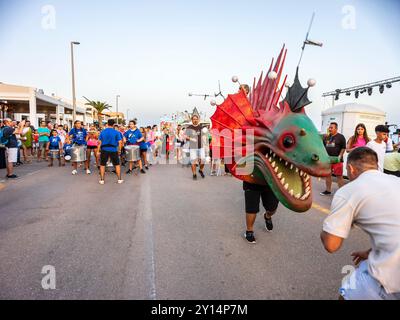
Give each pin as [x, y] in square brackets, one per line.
[42, 145]
[113, 156]
[92, 147]
[197, 154]
[12, 154]
[252, 198]
[360, 285]
[58, 154]
[337, 169]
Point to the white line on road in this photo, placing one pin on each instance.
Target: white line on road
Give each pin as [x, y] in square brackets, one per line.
[148, 217]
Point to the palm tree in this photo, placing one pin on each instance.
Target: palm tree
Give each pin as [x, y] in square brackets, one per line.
[99, 107]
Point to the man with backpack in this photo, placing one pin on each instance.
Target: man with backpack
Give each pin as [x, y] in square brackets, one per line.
[9, 140]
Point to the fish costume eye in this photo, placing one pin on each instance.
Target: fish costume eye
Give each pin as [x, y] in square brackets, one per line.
[288, 141]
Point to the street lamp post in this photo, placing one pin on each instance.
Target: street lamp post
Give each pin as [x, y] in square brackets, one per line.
[73, 80]
[127, 114]
[116, 104]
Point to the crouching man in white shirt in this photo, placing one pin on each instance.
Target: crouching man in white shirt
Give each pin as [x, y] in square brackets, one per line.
[368, 202]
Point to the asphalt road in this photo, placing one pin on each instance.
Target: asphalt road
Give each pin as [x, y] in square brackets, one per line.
[157, 236]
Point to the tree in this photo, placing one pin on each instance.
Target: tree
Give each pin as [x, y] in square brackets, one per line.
[99, 107]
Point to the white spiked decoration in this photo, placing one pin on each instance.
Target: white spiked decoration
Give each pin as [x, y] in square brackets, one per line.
[287, 84]
[213, 103]
[235, 79]
[311, 82]
[272, 75]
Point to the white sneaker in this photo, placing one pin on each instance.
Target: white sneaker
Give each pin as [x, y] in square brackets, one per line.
[74, 172]
[88, 171]
[120, 181]
[101, 181]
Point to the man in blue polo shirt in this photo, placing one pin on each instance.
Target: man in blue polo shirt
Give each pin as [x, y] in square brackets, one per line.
[78, 136]
[110, 144]
[133, 137]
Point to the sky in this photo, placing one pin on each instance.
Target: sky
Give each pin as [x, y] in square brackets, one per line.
[153, 53]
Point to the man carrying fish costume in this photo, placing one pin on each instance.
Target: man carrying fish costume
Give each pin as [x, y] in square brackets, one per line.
[271, 145]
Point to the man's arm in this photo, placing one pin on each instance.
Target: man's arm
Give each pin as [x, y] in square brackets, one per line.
[99, 146]
[331, 242]
[344, 145]
[359, 256]
[337, 225]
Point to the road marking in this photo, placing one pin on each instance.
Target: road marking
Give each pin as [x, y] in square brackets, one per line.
[320, 208]
[148, 217]
[34, 172]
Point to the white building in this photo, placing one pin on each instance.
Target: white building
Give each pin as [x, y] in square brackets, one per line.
[21, 102]
[347, 116]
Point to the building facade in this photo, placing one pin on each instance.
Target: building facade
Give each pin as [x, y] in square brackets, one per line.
[22, 102]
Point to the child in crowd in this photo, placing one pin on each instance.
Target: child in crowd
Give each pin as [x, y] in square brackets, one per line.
[54, 146]
[67, 149]
[35, 145]
[92, 143]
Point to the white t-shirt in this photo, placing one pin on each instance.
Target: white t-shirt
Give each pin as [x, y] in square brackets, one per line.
[389, 145]
[369, 202]
[380, 149]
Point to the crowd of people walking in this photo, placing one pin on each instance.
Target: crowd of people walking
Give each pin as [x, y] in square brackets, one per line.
[188, 145]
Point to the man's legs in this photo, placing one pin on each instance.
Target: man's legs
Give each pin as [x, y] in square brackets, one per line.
[103, 163]
[250, 220]
[75, 167]
[202, 159]
[118, 171]
[270, 203]
[39, 152]
[194, 164]
[328, 183]
[102, 172]
[10, 168]
[340, 181]
[201, 166]
[193, 161]
[252, 204]
[11, 159]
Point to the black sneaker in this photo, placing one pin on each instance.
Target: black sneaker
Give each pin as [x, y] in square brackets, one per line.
[194, 177]
[325, 193]
[249, 235]
[268, 224]
[13, 176]
[129, 171]
[201, 173]
[142, 171]
[147, 168]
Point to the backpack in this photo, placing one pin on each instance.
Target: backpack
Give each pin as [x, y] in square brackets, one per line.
[3, 139]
